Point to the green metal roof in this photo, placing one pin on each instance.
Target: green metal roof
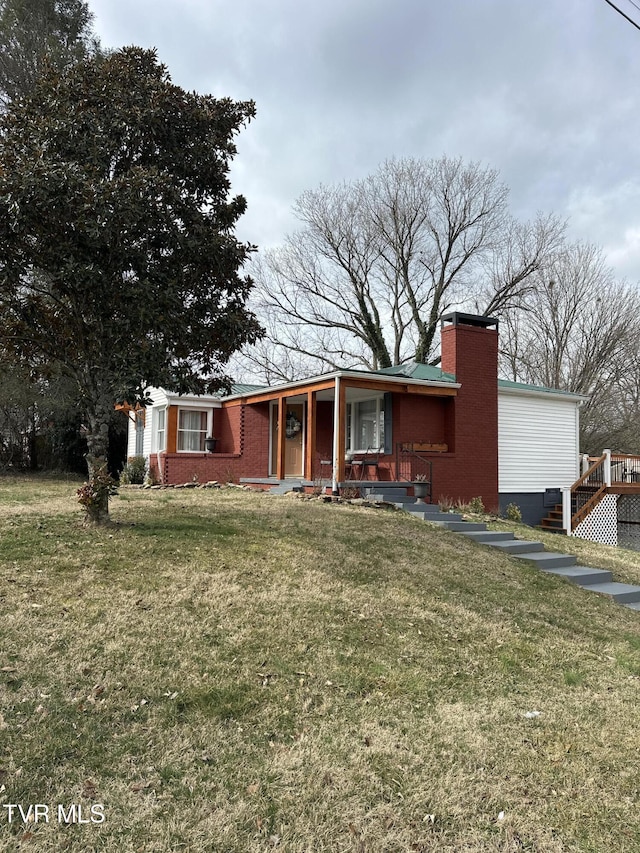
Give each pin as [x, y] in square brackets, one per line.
[424, 372]
[413, 370]
[244, 388]
[523, 386]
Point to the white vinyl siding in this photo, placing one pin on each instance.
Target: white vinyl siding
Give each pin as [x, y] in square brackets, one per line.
[537, 442]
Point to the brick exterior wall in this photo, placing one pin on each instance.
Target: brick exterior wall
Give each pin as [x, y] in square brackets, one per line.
[467, 423]
[242, 450]
[471, 353]
[417, 418]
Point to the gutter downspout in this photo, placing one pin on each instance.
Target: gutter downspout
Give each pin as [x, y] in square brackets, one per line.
[336, 430]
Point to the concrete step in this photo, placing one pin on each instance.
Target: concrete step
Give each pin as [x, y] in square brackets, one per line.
[623, 593]
[545, 560]
[407, 503]
[518, 546]
[562, 565]
[399, 501]
[487, 537]
[581, 575]
[458, 526]
[433, 516]
[411, 501]
[389, 494]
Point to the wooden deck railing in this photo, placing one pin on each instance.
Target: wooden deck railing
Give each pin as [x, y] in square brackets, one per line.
[588, 490]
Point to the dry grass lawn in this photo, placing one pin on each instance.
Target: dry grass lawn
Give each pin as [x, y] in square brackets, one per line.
[229, 672]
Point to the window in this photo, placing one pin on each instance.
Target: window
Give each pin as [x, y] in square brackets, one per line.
[365, 425]
[192, 430]
[139, 432]
[160, 432]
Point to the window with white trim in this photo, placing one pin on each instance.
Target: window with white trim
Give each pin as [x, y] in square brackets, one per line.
[192, 430]
[365, 425]
[160, 431]
[139, 424]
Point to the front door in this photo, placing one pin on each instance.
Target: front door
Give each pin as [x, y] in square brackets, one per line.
[294, 440]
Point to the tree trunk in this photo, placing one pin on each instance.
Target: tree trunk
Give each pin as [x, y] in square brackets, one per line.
[98, 417]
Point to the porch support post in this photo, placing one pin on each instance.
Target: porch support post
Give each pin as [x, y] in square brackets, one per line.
[311, 434]
[282, 414]
[339, 415]
[335, 478]
[342, 422]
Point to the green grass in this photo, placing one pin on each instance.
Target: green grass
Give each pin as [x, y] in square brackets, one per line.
[227, 671]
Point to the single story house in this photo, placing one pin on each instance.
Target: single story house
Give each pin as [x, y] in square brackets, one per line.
[459, 426]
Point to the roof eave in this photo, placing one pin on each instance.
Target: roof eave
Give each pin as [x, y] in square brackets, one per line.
[545, 393]
[344, 374]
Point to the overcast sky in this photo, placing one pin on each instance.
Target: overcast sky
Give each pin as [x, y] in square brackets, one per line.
[545, 91]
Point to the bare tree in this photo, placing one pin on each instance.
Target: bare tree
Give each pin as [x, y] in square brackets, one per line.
[378, 262]
[579, 332]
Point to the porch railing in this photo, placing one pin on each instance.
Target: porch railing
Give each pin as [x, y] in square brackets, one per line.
[412, 465]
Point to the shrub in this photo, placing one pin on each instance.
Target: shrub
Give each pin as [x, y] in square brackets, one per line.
[446, 504]
[475, 505]
[134, 471]
[349, 493]
[513, 513]
[94, 495]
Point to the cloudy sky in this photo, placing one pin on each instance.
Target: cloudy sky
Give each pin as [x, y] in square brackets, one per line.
[545, 91]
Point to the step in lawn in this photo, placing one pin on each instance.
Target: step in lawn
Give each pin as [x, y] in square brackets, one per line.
[442, 517]
[562, 565]
[545, 560]
[487, 537]
[457, 526]
[623, 593]
[518, 546]
[581, 575]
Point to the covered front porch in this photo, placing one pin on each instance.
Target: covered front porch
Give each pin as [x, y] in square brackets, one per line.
[355, 430]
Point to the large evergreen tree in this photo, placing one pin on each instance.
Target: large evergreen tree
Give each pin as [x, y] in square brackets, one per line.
[118, 264]
[35, 34]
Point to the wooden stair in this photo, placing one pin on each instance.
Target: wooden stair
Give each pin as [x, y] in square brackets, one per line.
[552, 522]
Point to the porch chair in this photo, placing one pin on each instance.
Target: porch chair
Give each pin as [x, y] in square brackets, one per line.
[371, 459]
[353, 467]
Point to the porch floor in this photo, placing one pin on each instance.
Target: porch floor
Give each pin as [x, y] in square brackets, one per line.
[300, 481]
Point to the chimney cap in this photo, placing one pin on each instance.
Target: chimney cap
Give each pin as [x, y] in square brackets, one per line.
[456, 318]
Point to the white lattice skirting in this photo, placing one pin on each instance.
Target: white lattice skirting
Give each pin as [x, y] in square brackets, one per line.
[601, 525]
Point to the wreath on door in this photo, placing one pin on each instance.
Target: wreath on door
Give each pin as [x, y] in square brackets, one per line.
[292, 426]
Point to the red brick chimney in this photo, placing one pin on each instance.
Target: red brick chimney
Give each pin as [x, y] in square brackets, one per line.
[469, 346]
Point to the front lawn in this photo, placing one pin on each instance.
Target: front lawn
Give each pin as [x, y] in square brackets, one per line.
[226, 671]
